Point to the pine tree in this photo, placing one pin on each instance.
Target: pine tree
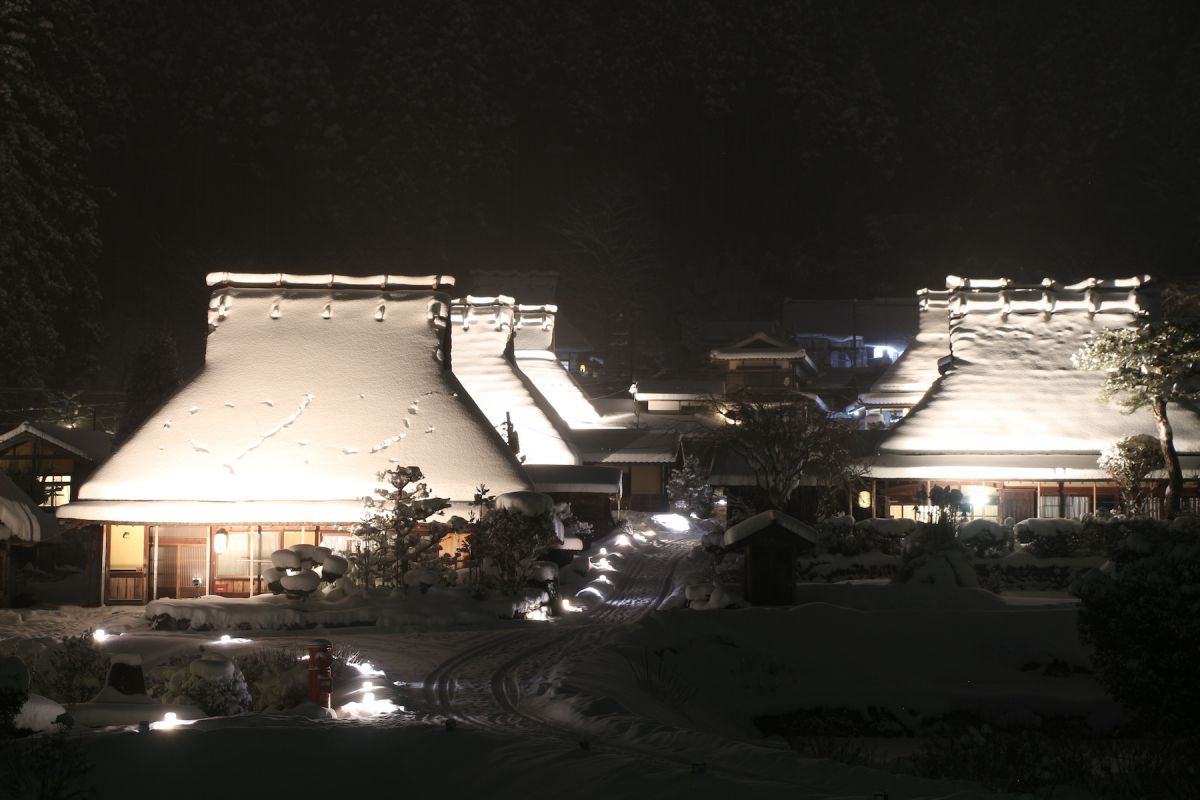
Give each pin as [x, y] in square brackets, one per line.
[394, 530]
[510, 540]
[1151, 365]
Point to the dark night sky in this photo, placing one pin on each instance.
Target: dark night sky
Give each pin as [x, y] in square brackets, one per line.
[679, 160]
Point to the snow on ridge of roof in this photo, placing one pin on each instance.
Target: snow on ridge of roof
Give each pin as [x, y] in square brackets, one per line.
[497, 385]
[763, 519]
[327, 281]
[92, 445]
[745, 349]
[302, 399]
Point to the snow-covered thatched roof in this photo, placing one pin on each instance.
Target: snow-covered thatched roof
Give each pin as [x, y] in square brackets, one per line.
[482, 328]
[312, 385]
[534, 351]
[906, 381]
[1011, 388]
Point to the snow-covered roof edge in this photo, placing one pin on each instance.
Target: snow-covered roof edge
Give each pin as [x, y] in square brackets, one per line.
[763, 519]
[330, 281]
[37, 430]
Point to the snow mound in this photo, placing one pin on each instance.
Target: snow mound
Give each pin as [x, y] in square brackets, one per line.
[38, 714]
[531, 504]
[981, 529]
[1047, 527]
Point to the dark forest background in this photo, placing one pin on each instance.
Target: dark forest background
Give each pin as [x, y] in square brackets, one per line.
[679, 160]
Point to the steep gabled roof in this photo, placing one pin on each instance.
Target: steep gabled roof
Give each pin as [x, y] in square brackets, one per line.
[1011, 387]
[758, 345]
[537, 333]
[482, 330]
[907, 380]
[312, 385]
[89, 445]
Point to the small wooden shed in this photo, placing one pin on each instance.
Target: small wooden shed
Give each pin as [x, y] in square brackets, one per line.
[770, 543]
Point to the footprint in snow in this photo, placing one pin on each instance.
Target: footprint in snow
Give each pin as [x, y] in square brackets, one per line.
[429, 429]
[167, 425]
[267, 402]
[193, 409]
[413, 409]
[229, 405]
[349, 450]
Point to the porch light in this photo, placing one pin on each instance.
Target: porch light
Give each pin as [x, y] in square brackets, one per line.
[220, 541]
[978, 495]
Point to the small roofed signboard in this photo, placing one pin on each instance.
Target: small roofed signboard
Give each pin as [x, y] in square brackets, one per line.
[770, 541]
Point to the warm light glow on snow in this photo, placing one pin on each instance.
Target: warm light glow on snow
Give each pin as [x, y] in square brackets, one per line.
[570, 607]
[603, 565]
[100, 635]
[170, 721]
[227, 639]
[591, 589]
[365, 669]
[368, 707]
[623, 540]
[672, 522]
[537, 614]
[603, 579]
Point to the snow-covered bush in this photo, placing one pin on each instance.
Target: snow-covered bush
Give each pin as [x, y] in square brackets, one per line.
[71, 671]
[573, 526]
[1129, 461]
[510, 540]
[688, 489]
[276, 679]
[984, 538]
[1142, 615]
[1063, 538]
[933, 555]
[212, 683]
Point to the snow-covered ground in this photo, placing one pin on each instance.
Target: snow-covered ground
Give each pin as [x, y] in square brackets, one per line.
[617, 700]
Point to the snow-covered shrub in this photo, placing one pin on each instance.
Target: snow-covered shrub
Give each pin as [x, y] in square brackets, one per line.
[276, 679]
[211, 683]
[510, 541]
[1142, 615]
[688, 489]
[984, 538]
[933, 555]
[1129, 461]
[48, 766]
[71, 671]
[1063, 538]
[840, 536]
[573, 526]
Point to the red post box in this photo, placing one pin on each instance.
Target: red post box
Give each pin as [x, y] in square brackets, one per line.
[320, 672]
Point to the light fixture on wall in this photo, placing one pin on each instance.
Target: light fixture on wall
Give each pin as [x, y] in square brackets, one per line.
[220, 541]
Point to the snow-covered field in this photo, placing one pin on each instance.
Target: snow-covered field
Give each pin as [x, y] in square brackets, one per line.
[618, 700]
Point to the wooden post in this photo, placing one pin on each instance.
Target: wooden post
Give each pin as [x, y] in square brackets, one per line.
[208, 562]
[1062, 499]
[1037, 499]
[104, 564]
[154, 572]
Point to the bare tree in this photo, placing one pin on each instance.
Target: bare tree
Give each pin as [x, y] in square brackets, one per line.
[784, 443]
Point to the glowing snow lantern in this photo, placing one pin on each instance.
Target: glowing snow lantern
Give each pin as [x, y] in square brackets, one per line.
[622, 541]
[672, 522]
[100, 635]
[169, 721]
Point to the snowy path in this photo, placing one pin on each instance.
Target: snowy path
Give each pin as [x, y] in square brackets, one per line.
[508, 684]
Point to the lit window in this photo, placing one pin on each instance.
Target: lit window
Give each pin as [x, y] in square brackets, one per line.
[57, 489]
